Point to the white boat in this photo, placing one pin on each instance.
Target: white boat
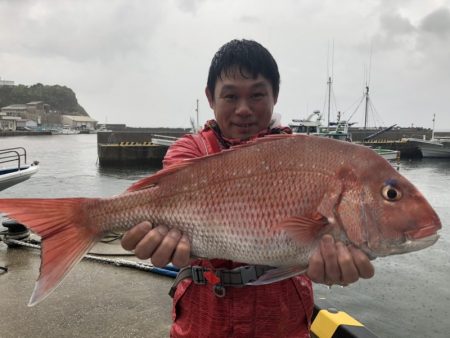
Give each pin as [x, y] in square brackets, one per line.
[65, 130]
[338, 130]
[13, 167]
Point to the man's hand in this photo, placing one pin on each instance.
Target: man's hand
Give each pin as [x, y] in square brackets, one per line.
[335, 263]
[160, 244]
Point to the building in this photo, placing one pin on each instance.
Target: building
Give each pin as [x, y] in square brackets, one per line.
[9, 123]
[79, 122]
[14, 110]
[6, 82]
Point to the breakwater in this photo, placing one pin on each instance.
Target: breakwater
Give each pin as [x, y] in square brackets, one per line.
[24, 133]
[125, 148]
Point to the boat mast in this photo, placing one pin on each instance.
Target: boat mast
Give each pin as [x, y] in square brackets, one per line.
[329, 100]
[196, 110]
[432, 131]
[366, 111]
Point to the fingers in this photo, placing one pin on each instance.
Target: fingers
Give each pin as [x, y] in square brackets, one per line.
[338, 264]
[159, 244]
[163, 253]
[182, 254]
[132, 237]
[146, 247]
[348, 271]
[316, 267]
[330, 257]
[362, 262]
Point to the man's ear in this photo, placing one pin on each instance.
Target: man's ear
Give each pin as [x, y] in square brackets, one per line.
[210, 97]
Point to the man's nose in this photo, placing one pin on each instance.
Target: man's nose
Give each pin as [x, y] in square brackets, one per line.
[243, 108]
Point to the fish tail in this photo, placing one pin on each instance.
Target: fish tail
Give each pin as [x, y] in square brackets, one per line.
[66, 236]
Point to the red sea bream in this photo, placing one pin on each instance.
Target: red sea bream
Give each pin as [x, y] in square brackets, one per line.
[266, 202]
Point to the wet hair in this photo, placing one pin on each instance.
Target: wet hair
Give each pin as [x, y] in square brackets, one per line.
[247, 56]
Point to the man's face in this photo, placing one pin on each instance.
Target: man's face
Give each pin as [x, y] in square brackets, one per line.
[242, 106]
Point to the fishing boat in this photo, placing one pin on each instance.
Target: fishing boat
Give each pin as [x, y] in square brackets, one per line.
[14, 168]
[433, 148]
[339, 130]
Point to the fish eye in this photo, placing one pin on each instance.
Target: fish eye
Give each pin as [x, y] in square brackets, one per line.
[391, 193]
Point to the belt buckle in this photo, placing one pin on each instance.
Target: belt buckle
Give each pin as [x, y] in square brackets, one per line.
[248, 274]
[197, 275]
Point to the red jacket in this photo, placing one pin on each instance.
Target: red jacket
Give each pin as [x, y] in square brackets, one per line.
[281, 309]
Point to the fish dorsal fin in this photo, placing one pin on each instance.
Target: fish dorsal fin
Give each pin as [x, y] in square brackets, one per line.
[278, 274]
[303, 229]
[152, 180]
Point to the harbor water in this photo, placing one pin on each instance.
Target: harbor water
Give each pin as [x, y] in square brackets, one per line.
[408, 297]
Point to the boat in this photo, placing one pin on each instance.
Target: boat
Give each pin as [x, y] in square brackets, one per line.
[65, 130]
[13, 167]
[433, 148]
[339, 130]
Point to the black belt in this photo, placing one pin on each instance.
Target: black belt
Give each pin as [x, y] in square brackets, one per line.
[236, 277]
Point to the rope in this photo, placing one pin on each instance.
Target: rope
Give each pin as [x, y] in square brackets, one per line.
[169, 270]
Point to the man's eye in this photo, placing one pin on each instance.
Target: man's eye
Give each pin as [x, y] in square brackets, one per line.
[230, 97]
[258, 95]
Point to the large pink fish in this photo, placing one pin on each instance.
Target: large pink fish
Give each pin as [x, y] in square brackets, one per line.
[266, 202]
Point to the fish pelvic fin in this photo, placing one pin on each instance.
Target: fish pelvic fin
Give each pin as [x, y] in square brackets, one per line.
[65, 234]
[303, 229]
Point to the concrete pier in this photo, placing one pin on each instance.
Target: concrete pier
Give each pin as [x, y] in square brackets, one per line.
[95, 300]
[118, 148]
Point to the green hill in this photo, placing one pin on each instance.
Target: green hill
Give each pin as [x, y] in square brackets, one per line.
[60, 98]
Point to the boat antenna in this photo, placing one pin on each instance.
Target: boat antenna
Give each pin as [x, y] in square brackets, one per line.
[366, 94]
[330, 81]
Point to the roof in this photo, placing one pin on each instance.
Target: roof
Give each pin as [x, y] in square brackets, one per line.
[77, 118]
[15, 107]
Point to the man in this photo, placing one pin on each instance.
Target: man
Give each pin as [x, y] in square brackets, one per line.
[242, 90]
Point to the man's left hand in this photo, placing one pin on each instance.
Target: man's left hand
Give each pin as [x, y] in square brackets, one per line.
[335, 263]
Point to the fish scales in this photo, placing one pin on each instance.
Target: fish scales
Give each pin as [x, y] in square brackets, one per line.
[267, 202]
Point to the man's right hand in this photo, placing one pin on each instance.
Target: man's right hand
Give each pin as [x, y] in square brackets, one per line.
[160, 244]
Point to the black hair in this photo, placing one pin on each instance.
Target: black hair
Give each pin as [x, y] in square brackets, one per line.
[249, 57]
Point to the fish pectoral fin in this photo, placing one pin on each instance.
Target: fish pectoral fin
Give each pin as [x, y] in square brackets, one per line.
[303, 229]
[278, 274]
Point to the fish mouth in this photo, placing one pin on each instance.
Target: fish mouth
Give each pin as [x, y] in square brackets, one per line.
[409, 245]
[423, 232]
[400, 247]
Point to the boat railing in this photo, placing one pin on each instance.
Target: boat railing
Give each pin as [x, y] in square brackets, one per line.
[16, 154]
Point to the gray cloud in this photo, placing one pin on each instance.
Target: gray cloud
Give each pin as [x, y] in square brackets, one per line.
[437, 23]
[102, 30]
[189, 6]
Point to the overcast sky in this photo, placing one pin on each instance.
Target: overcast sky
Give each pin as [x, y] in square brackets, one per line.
[145, 63]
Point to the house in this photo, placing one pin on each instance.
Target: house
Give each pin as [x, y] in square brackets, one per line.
[79, 122]
[9, 122]
[15, 110]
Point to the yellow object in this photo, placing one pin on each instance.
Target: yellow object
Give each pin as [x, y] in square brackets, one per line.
[326, 323]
